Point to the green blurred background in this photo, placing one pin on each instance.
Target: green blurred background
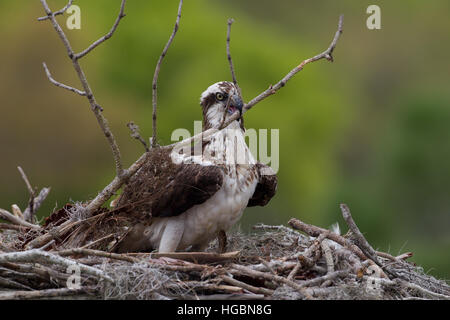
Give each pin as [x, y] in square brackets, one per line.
[371, 130]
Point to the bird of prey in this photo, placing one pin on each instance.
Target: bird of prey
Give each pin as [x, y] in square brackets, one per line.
[183, 199]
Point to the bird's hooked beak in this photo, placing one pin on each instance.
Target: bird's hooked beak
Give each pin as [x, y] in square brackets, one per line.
[235, 104]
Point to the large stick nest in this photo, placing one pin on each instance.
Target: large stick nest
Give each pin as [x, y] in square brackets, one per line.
[273, 262]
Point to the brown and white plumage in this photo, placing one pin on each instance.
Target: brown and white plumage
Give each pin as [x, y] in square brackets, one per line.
[188, 198]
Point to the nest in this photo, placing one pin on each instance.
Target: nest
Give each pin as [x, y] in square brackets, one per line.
[272, 262]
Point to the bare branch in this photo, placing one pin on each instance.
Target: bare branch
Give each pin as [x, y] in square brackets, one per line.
[359, 239]
[115, 185]
[37, 202]
[61, 85]
[43, 257]
[327, 54]
[105, 37]
[135, 134]
[42, 294]
[317, 231]
[16, 220]
[96, 109]
[29, 213]
[27, 182]
[230, 61]
[57, 13]
[157, 69]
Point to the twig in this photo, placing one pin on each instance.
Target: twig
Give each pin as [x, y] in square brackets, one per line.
[136, 135]
[16, 211]
[48, 258]
[97, 241]
[328, 276]
[56, 13]
[9, 226]
[28, 215]
[424, 291]
[267, 265]
[328, 256]
[230, 61]
[198, 257]
[294, 271]
[8, 283]
[97, 253]
[156, 74]
[359, 239]
[16, 220]
[38, 294]
[237, 283]
[267, 276]
[327, 54]
[37, 202]
[105, 37]
[27, 182]
[95, 107]
[59, 84]
[404, 256]
[316, 231]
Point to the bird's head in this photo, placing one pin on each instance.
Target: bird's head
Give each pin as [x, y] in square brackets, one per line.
[219, 102]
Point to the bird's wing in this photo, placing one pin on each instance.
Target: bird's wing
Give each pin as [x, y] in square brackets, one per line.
[162, 188]
[266, 187]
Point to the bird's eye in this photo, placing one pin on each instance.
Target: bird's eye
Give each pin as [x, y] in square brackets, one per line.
[219, 96]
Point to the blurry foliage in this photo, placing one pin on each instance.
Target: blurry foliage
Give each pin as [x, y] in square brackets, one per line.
[370, 130]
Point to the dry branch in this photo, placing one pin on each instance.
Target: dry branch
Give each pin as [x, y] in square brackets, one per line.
[95, 107]
[105, 37]
[157, 69]
[230, 60]
[317, 231]
[327, 54]
[136, 135]
[59, 84]
[57, 13]
[48, 258]
[37, 202]
[16, 220]
[43, 294]
[199, 257]
[359, 239]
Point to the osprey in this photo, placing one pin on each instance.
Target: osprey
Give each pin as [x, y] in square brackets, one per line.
[184, 198]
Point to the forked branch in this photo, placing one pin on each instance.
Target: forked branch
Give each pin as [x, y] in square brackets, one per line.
[95, 107]
[327, 54]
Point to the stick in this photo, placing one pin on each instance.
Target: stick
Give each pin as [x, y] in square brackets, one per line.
[39, 256]
[316, 231]
[359, 239]
[230, 61]
[57, 12]
[243, 285]
[136, 135]
[267, 276]
[28, 215]
[16, 220]
[158, 67]
[327, 54]
[37, 202]
[105, 37]
[59, 84]
[328, 256]
[49, 293]
[198, 257]
[96, 109]
[97, 253]
[16, 211]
